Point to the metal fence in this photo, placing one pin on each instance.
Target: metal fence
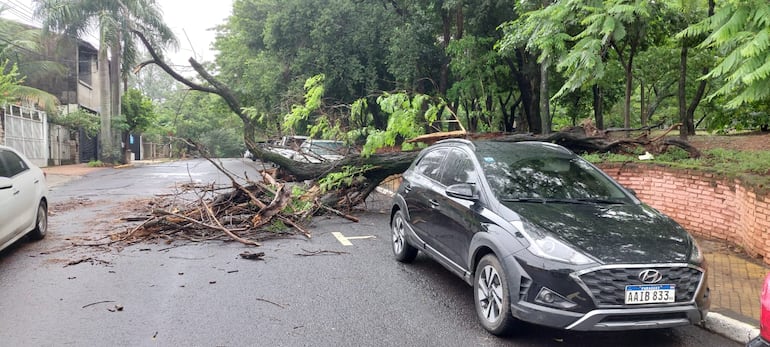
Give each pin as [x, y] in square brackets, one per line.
[26, 130]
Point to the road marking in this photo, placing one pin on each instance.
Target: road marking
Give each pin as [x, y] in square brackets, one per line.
[345, 240]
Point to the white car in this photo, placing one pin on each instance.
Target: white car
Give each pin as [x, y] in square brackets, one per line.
[23, 201]
[317, 151]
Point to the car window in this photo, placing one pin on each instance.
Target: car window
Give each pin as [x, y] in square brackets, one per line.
[458, 169]
[11, 164]
[430, 163]
[324, 147]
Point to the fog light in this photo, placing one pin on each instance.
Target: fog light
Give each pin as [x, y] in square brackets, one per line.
[550, 298]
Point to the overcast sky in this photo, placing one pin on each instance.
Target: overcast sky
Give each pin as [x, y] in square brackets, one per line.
[189, 19]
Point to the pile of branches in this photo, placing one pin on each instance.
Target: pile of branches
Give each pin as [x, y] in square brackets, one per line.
[247, 213]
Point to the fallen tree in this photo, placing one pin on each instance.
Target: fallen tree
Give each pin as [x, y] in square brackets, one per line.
[371, 170]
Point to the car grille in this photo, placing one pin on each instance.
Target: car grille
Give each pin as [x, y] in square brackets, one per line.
[608, 285]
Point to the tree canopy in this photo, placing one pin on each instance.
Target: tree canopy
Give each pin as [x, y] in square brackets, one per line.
[338, 68]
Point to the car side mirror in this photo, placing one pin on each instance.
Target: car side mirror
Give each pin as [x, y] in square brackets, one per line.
[465, 191]
[6, 183]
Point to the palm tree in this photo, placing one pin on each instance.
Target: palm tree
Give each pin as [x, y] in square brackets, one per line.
[114, 21]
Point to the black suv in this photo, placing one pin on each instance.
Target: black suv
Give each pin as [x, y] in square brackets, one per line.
[545, 237]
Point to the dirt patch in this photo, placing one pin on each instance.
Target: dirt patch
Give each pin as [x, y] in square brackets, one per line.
[69, 205]
[756, 141]
[71, 170]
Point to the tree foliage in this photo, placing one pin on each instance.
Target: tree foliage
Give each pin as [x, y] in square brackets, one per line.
[9, 82]
[740, 31]
[22, 52]
[137, 111]
[381, 72]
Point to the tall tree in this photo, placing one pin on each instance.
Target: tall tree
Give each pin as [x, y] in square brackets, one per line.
[616, 25]
[115, 21]
[740, 31]
[687, 112]
[541, 30]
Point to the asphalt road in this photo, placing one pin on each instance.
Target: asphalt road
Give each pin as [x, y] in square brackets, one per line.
[204, 294]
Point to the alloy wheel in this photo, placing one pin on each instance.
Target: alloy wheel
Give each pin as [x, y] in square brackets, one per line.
[398, 235]
[490, 293]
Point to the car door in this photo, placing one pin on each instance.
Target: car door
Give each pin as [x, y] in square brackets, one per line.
[419, 189]
[456, 219]
[17, 206]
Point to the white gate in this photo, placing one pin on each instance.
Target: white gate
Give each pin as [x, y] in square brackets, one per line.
[26, 130]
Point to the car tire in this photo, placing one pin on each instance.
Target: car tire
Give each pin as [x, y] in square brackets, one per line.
[491, 297]
[41, 222]
[402, 250]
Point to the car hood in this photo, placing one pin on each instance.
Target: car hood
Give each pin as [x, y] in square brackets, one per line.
[626, 233]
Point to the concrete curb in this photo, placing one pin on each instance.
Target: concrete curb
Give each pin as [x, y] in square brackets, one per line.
[730, 328]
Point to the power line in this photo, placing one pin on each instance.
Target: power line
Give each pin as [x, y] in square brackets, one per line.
[20, 10]
[21, 5]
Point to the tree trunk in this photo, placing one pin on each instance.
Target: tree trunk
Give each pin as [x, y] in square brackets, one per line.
[105, 131]
[642, 105]
[530, 120]
[627, 98]
[682, 94]
[598, 107]
[115, 79]
[545, 112]
[628, 67]
[447, 36]
[696, 99]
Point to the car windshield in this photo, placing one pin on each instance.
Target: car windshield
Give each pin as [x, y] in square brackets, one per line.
[327, 147]
[537, 172]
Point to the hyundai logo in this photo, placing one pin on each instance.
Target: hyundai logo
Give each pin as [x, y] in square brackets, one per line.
[650, 276]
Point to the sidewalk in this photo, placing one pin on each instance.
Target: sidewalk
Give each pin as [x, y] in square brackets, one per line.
[734, 279]
[58, 175]
[736, 284]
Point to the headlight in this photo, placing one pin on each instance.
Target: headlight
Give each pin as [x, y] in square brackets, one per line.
[549, 247]
[696, 256]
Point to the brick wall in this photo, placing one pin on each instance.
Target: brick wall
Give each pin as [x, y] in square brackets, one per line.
[704, 204]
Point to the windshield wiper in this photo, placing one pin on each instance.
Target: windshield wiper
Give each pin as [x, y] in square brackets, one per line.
[539, 200]
[565, 201]
[545, 200]
[601, 201]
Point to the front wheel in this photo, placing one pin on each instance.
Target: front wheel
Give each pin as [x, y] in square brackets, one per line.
[491, 296]
[402, 250]
[41, 222]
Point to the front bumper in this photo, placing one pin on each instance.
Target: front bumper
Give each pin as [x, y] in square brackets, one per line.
[610, 319]
[599, 294]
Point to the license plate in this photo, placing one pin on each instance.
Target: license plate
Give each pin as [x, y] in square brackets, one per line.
[650, 294]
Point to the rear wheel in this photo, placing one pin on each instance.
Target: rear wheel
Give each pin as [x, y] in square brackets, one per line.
[402, 250]
[491, 296]
[41, 223]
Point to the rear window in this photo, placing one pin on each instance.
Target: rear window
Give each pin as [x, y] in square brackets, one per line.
[430, 163]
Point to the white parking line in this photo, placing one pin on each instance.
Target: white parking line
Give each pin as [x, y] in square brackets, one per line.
[345, 240]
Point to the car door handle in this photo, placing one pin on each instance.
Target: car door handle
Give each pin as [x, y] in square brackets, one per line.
[16, 192]
[433, 203]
